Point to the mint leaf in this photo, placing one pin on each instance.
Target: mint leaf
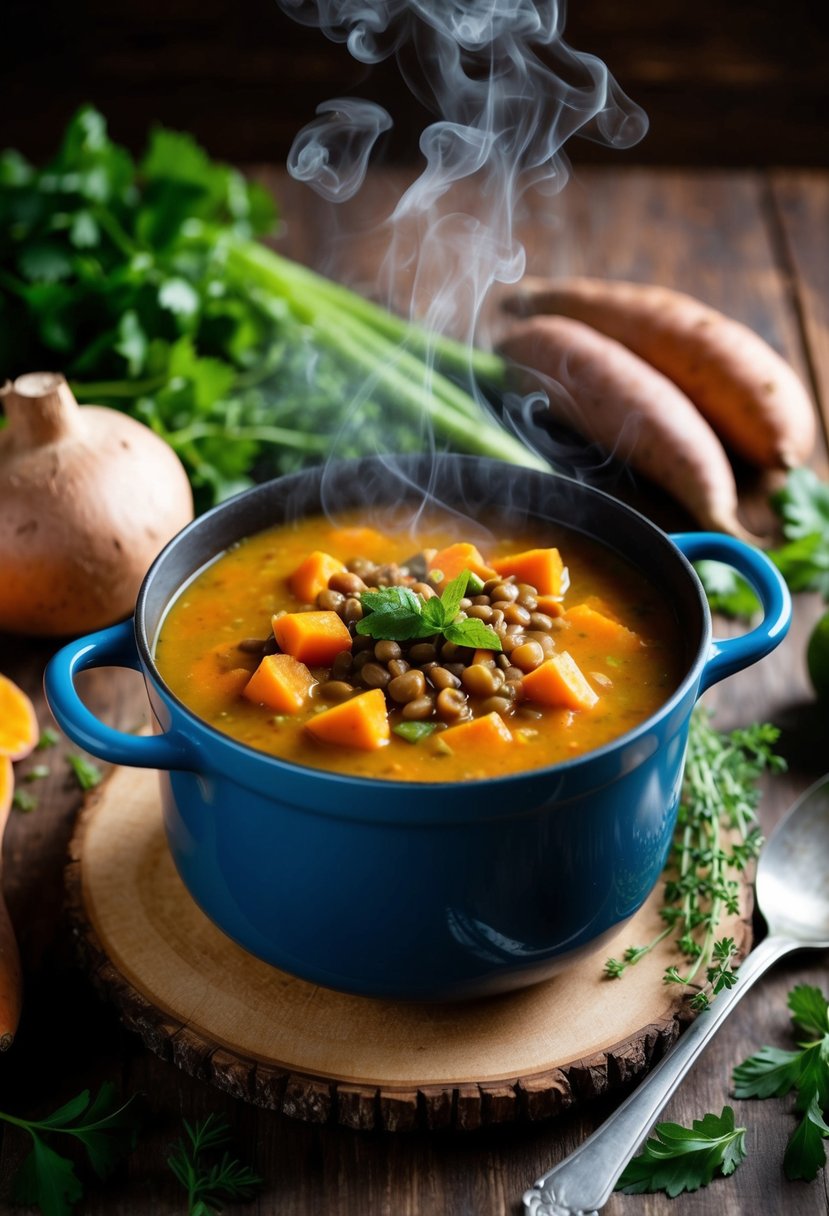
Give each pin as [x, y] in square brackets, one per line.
[474, 633]
[805, 1153]
[680, 1159]
[452, 595]
[392, 599]
[434, 615]
[413, 732]
[393, 627]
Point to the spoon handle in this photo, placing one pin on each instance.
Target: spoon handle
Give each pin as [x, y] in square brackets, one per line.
[584, 1181]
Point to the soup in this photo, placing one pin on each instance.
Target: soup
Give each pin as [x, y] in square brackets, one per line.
[362, 650]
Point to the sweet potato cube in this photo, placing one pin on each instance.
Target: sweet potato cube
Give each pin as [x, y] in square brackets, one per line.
[541, 568]
[315, 638]
[478, 736]
[461, 556]
[281, 682]
[362, 722]
[312, 575]
[601, 629]
[559, 681]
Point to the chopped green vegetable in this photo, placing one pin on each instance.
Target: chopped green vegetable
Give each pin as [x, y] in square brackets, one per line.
[774, 1072]
[207, 1185]
[107, 1132]
[22, 800]
[87, 774]
[684, 1159]
[398, 614]
[37, 773]
[720, 794]
[48, 738]
[145, 283]
[413, 732]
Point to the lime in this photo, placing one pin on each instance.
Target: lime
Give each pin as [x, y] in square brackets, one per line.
[817, 657]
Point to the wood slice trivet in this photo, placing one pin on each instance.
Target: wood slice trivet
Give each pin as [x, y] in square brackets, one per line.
[197, 998]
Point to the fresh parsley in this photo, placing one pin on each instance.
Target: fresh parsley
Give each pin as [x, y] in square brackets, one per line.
[399, 614]
[22, 800]
[87, 774]
[774, 1072]
[207, 1182]
[681, 1159]
[48, 738]
[106, 1129]
[716, 838]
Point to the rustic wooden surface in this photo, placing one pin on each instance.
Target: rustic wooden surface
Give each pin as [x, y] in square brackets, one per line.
[268, 1037]
[753, 244]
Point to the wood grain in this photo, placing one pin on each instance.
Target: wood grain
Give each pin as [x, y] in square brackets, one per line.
[721, 236]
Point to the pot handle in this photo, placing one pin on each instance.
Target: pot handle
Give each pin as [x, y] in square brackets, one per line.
[728, 655]
[113, 647]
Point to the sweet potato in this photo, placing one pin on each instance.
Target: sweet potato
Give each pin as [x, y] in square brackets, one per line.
[362, 722]
[312, 575]
[10, 978]
[602, 629]
[315, 638]
[542, 568]
[281, 682]
[751, 396]
[559, 681]
[453, 560]
[19, 731]
[478, 736]
[601, 389]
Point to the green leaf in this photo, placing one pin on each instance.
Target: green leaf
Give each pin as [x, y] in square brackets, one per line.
[132, 342]
[809, 1009]
[813, 1080]
[48, 738]
[679, 1159]
[84, 232]
[44, 262]
[109, 1130]
[392, 599]
[23, 801]
[86, 773]
[803, 504]
[805, 1153]
[804, 563]
[452, 594]
[392, 626]
[771, 1073]
[413, 732]
[177, 296]
[726, 590]
[48, 1181]
[474, 633]
[434, 615]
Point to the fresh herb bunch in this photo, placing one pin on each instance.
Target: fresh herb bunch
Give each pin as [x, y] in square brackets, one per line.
[684, 1159]
[145, 284]
[719, 799]
[774, 1072]
[803, 507]
[107, 1132]
[208, 1184]
[398, 614]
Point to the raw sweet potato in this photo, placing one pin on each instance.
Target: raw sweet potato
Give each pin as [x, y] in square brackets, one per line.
[10, 979]
[751, 396]
[601, 389]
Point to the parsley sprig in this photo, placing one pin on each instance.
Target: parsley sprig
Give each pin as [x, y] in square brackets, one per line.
[681, 1159]
[107, 1132]
[206, 1183]
[716, 838]
[774, 1072]
[399, 614]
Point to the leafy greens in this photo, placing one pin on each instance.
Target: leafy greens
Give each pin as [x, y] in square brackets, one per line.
[399, 614]
[681, 1159]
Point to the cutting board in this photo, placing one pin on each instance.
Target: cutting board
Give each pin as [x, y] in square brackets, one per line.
[198, 999]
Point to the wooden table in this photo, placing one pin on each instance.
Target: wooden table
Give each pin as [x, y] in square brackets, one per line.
[753, 244]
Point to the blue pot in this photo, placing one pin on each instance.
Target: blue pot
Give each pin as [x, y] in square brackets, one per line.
[404, 890]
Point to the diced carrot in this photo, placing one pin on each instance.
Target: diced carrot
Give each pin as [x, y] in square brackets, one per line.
[315, 638]
[458, 557]
[601, 629]
[550, 605]
[362, 722]
[478, 735]
[311, 576]
[19, 731]
[281, 682]
[559, 681]
[541, 568]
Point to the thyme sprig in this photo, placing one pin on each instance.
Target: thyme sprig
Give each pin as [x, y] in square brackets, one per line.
[716, 838]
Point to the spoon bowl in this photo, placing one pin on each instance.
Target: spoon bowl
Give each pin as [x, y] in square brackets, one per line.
[792, 886]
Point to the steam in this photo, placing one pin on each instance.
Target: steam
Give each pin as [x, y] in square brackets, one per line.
[331, 153]
[507, 92]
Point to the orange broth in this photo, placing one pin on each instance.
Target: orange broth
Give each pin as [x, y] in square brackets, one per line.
[236, 596]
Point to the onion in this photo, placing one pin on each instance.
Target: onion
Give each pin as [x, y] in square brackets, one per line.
[88, 497]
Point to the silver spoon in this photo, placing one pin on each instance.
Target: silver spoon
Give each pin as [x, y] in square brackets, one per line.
[792, 887]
